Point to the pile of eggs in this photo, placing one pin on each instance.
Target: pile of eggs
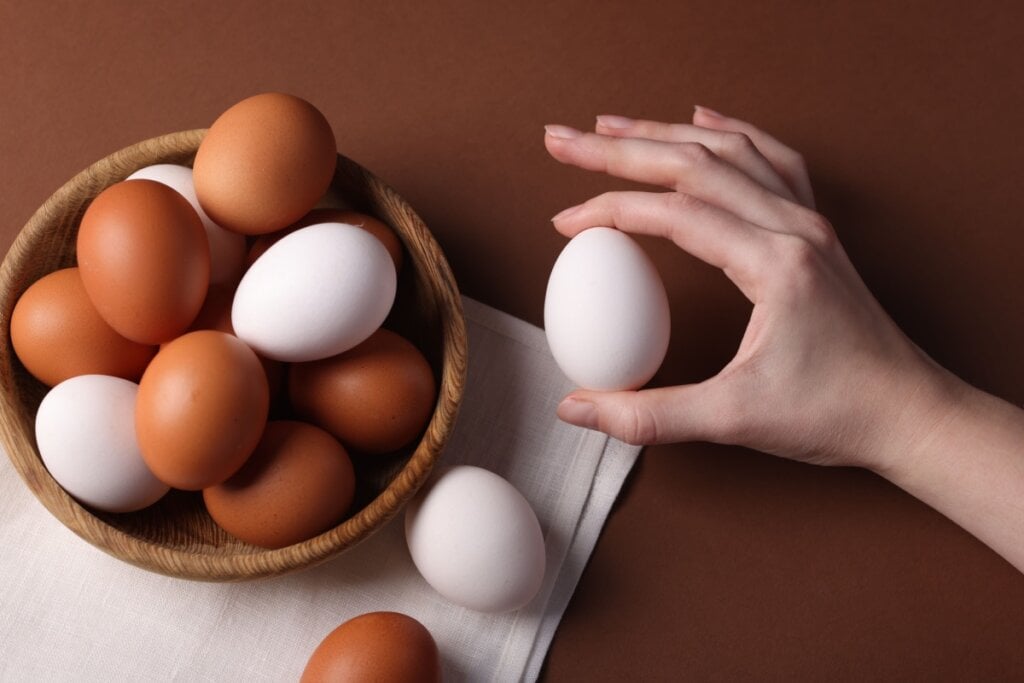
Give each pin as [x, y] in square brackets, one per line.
[204, 296]
[221, 332]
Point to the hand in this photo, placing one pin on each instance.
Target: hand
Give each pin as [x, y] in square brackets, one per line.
[822, 373]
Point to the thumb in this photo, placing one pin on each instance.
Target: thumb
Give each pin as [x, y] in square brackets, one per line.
[652, 416]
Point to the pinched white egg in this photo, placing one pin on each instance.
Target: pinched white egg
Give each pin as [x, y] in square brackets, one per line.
[606, 313]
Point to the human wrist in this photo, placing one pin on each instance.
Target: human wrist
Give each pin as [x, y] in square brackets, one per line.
[966, 462]
[919, 409]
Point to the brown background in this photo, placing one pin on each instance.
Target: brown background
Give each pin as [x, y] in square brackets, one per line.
[717, 563]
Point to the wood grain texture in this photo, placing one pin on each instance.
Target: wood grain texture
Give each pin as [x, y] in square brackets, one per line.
[176, 537]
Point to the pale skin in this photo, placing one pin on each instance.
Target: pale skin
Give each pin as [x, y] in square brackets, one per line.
[822, 375]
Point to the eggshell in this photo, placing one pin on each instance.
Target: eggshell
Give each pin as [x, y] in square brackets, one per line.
[316, 293]
[476, 540]
[387, 236]
[57, 334]
[375, 398]
[384, 647]
[86, 438]
[298, 483]
[227, 249]
[216, 315]
[201, 409]
[606, 313]
[264, 163]
[144, 260]
[333, 199]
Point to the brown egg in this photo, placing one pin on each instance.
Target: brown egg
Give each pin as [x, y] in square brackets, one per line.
[201, 409]
[57, 333]
[275, 371]
[384, 647]
[264, 163]
[144, 260]
[264, 242]
[382, 232]
[375, 397]
[298, 483]
[216, 315]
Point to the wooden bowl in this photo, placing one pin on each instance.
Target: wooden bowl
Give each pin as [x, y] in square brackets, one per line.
[176, 536]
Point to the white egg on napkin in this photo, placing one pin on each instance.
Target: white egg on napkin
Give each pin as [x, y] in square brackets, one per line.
[476, 540]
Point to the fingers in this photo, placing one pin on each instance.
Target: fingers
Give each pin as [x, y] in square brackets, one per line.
[687, 167]
[786, 161]
[645, 161]
[708, 232]
[734, 147]
[692, 412]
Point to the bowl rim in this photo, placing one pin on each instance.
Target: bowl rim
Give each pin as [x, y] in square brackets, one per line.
[19, 441]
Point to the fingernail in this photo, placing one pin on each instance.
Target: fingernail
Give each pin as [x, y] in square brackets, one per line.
[565, 213]
[708, 112]
[612, 121]
[578, 412]
[561, 132]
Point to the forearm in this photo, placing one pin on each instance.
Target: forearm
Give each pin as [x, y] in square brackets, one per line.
[967, 462]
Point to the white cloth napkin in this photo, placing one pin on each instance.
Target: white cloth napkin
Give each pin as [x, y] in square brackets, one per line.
[69, 612]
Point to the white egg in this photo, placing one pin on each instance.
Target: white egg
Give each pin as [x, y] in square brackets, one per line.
[85, 430]
[606, 313]
[476, 540]
[315, 293]
[227, 249]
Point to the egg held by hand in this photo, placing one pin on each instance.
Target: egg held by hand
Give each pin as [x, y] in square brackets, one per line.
[606, 313]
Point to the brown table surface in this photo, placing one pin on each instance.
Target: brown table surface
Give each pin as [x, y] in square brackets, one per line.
[717, 563]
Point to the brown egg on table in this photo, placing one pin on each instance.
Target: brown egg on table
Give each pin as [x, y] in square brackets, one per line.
[216, 315]
[298, 483]
[375, 397]
[387, 236]
[201, 409]
[384, 647]
[264, 163]
[58, 334]
[144, 260]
